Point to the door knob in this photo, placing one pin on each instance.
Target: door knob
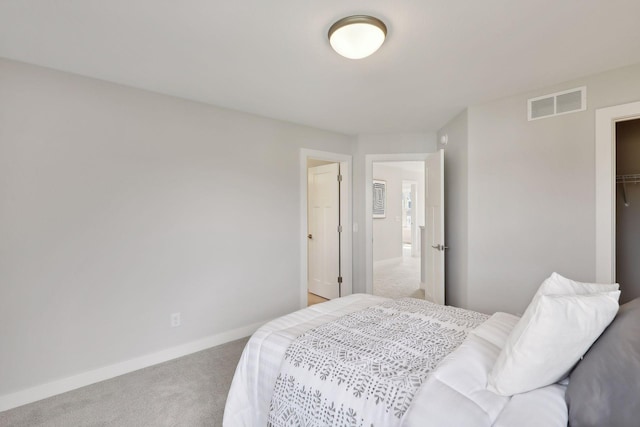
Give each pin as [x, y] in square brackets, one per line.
[310, 236]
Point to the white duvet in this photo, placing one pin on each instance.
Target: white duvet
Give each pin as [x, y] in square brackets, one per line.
[453, 395]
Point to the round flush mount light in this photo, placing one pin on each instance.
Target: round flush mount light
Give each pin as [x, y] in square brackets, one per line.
[357, 36]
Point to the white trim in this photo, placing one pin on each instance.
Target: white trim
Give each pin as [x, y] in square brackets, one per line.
[22, 397]
[368, 201]
[606, 118]
[346, 204]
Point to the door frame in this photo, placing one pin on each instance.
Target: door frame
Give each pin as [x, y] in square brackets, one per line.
[606, 119]
[369, 159]
[415, 229]
[346, 209]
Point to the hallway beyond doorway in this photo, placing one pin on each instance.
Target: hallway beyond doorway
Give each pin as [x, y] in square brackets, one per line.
[398, 277]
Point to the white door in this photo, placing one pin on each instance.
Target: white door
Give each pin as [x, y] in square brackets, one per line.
[323, 236]
[434, 224]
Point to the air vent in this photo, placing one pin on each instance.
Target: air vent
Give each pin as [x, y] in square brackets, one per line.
[556, 104]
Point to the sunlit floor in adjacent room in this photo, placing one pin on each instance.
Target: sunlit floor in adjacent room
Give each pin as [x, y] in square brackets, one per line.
[398, 277]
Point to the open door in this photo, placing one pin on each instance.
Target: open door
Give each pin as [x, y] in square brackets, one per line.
[434, 250]
[323, 195]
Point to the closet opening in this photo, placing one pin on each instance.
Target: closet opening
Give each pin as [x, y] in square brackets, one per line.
[628, 208]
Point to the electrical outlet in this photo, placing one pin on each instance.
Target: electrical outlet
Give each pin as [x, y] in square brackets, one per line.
[175, 320]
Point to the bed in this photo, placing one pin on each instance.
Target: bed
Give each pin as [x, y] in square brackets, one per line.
[364, 360]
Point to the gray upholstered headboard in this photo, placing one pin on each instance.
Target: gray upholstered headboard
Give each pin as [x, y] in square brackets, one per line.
[604, 388]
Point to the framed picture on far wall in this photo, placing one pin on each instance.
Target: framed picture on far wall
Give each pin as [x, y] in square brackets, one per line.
[379, 199]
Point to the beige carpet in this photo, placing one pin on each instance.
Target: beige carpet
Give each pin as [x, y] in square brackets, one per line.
[189, 391]
[397, 277]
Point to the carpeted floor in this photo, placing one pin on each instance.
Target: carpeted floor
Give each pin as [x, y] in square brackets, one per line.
[397, 277]
[189, 391]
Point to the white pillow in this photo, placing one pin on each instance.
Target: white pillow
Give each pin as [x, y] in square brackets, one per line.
[552, 335]
[555, 285]
[558, 285]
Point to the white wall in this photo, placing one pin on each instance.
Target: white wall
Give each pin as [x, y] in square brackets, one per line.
[120, 206]
[628, 217]
[387, 231]
[377, 144]
[531, 193]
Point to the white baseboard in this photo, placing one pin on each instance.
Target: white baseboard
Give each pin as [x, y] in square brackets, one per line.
[19, 398]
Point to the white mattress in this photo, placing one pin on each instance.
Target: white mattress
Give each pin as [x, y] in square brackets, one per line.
[454, 394]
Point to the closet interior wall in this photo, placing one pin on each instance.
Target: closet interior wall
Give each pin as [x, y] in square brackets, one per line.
[628, 209]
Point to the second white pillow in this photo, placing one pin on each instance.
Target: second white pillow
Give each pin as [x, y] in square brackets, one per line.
[549, 339]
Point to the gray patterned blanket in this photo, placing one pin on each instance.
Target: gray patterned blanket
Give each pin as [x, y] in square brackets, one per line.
[364, 368]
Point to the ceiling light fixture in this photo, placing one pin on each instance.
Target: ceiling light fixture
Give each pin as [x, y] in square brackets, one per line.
[357, 36]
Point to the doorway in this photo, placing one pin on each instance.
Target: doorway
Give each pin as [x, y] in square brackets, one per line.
[323, 230]
[396, 247]
[325, 225]
[627, 144]
[607, 120]
[430, 210]
[411, 219]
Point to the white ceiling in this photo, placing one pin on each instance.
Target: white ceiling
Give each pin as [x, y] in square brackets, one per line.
[272, 57]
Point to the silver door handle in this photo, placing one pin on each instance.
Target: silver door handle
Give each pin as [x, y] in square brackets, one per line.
[440, 247]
